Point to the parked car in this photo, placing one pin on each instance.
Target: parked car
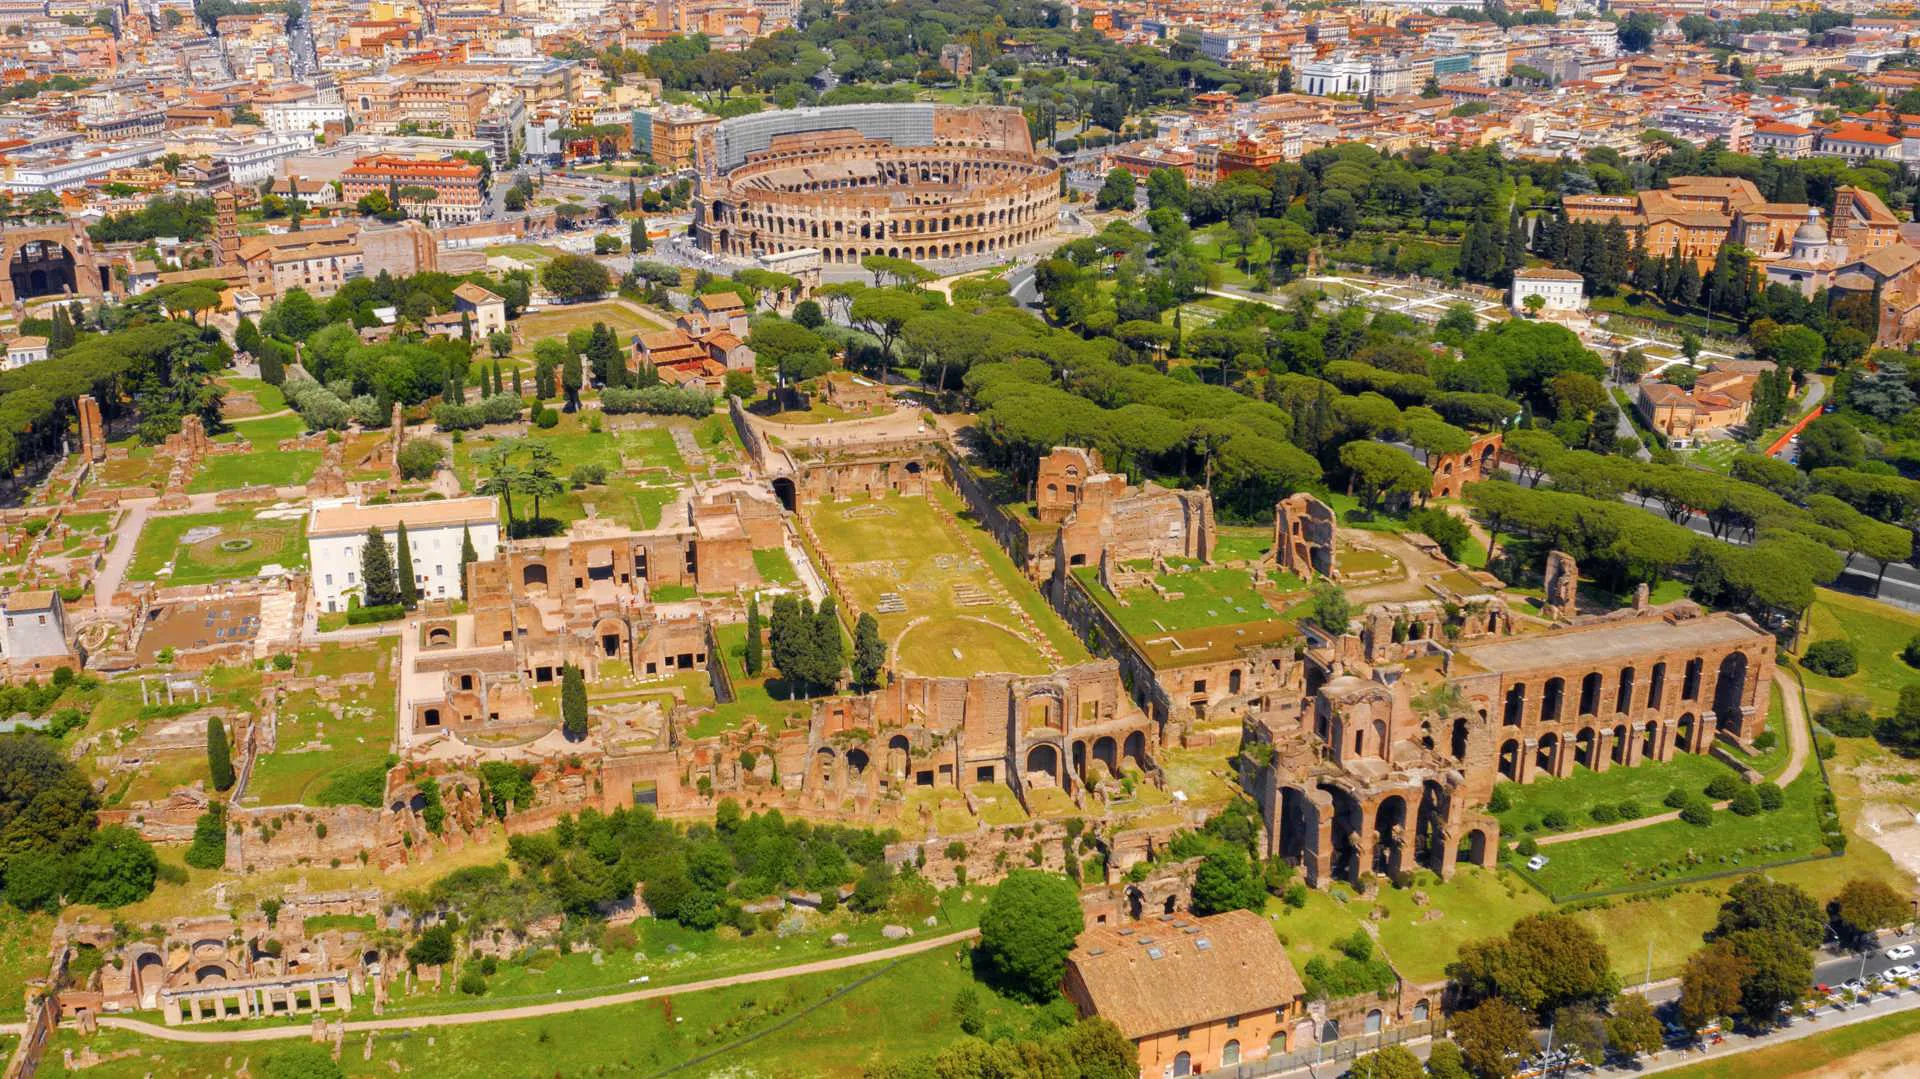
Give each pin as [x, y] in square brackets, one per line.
[1900, 951]
[1901, 971]
[1539, 862]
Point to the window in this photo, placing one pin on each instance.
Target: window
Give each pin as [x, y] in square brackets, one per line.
[329, 578]
[1184, 1031]
[1232, 1021]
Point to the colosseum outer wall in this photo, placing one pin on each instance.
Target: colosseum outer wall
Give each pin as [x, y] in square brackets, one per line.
[970, 184]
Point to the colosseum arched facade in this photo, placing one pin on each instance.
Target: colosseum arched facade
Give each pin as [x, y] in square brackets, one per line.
[919, 182]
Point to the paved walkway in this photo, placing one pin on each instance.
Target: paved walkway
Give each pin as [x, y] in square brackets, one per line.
[1798, 740]
[535, 1011]
[126, 536]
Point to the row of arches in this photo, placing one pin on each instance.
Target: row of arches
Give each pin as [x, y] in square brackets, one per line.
[1044, 758]
[895, 228]
[1597, 747]
[1593, 697]
[1392, 836]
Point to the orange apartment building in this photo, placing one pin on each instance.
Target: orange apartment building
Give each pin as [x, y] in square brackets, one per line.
[1244, 154]
[458, 195]
[1194, 994]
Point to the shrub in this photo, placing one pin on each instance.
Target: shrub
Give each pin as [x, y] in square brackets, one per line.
[1698, 812]
[1770, 795]
[282, 662]
[1911, 653]
[1723, 786]
[386, 612]
[1554, 820]
[1604, 814]
[1527, 848]
[1848, 717]
[1765, 740]
[1826, 748]
[547, 419]
[1746, 802]
[473, 983]
[1629, 810]
[1500, 801]
[657, 400]
[1676, 798]
[1833, 658]
[1296, 896]
[589, 475]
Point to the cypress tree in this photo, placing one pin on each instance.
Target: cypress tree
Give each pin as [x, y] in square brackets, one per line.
[869, 654]
[219, 755]
[468, 556]
[573, 703]
[516, 382]
[571, 379]
[829, 651]
[786, 613]
[376, 571]
[753, 658]
[403, 571]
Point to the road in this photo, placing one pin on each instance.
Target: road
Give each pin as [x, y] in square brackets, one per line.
[535, 1011]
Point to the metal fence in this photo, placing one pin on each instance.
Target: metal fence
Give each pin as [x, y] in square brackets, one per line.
[1346, 1049]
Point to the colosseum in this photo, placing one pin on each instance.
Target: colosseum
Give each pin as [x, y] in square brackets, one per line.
[922, 182]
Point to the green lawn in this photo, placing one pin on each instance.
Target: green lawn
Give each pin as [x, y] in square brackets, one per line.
[753, 697]
[25, 940]
[774, 565]
[1676, 850]
[262, 464]
[900, 546]
[651, 447]
[624, 321]
[1207, 597]
[266, 432]
[315, 747]
[1575, 795]
[282, 542]
[1242, 543]
[833, 1024]
[267, 397]
[1878, 633]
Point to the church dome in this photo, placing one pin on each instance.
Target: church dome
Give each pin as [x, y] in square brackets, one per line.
[1812, 232]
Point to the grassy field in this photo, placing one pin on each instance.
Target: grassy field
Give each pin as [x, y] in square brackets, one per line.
[1206, 597]
[264, 398]
[263, 464]
[753, 698]
[265, 432]
[623, 320]
[25, 940]
[1242, 543]
[634, 501]
[774, 565]
[1675, 850]
[835, 1024]
[315, 747]
[161, 541]
[1575, 795]
[1878, 633]
[900, 546]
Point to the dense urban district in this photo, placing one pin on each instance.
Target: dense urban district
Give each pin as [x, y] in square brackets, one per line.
[984, 539]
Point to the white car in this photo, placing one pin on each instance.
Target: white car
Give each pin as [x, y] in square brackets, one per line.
[1539, 862]
[1901, 971]
[1900, 951]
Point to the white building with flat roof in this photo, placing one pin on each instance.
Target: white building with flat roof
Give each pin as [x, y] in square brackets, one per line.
[337, 533]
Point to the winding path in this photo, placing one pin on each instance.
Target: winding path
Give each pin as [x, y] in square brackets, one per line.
[1799, 742]
[535, 1011]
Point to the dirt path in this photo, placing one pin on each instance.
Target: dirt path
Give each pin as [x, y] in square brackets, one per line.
[535, 1011]
[126, 536]
[1799, 744]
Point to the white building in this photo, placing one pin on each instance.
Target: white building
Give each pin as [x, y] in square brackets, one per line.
[337, 531]
[1563, 290]
[1338, 75]
[261, 160]
[22, 351]
[303, 117]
